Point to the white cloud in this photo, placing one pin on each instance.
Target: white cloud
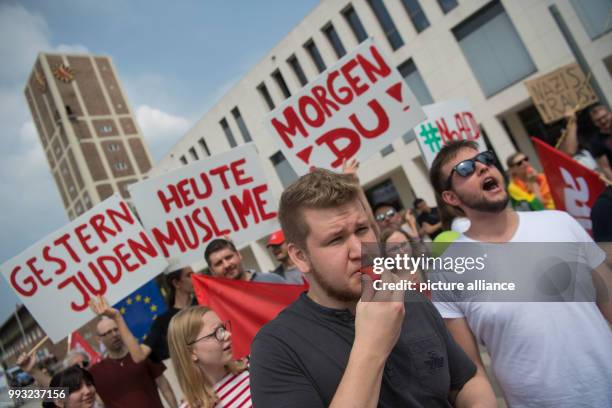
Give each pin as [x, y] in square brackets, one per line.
[160, 129]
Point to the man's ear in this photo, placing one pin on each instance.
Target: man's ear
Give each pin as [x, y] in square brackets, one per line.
[299, 258]
[450, 198]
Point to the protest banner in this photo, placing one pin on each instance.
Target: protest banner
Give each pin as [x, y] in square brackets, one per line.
[564, 87]
[226, 194]
[105, 252]
[78, 343]
[574, 188]
[246, 305]
[447, 121]
[352, 110]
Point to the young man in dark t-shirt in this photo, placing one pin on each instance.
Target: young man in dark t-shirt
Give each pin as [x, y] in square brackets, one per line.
[328, 348]
[428, 218]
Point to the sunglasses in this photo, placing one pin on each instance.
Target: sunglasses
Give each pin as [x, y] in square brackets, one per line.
[386, 215]
[523, 160]
[467, 167]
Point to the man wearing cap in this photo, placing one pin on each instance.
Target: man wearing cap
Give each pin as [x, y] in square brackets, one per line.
[286, 268]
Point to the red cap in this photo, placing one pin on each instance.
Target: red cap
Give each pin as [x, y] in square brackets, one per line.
[276, 238]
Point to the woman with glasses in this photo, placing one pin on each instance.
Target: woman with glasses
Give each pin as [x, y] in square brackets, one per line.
[201, 351]
[528, 190]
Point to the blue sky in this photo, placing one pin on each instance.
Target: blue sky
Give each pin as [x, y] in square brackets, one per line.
[174, 63]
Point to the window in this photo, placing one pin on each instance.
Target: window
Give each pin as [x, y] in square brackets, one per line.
[280, 81]
[263, 91]
[416, 14]
[285, 172]
[113, 147]
[313, 51]
[204, 146]
[415, 82]
[493, 49]
[106, 129]
[120, 166]
[58, 150]
[447, 5]
[241, 125]
[355, 23]
[297, 70]
[334, 40]
[228, 133]
[183, 160]
[387, 150]
[387, 25]
[193, 153]
[595, 16]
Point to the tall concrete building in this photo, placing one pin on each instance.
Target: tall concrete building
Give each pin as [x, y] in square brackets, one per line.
[481, 50]
[86, 127]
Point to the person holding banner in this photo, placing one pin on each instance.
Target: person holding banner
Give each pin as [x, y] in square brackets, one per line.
[528, 190]
[225, 261]
[331, 349]
[201, 351]
[286, 268]
[547, 354]
[125, 378]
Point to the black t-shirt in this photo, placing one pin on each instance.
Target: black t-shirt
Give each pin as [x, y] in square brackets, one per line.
[601, 215]
[600, 146]
[299, 358]
[432, 218]
[157, 339]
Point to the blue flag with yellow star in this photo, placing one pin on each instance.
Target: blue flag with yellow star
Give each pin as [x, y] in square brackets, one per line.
[141, 307]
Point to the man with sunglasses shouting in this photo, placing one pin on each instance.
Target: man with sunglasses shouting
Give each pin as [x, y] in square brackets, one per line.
[545, 354]
[528, 190]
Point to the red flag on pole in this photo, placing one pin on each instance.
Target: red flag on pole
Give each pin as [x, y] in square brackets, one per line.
[573, 186]
[77, 342]
[247, 305]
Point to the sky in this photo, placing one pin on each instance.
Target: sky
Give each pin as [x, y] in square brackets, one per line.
[174, 63]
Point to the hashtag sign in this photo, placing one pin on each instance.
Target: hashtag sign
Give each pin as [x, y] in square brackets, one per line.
[430, 137]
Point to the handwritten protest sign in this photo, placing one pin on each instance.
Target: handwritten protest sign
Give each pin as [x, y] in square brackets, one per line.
[574, 187]
[103, 252]
[351, 110]
[447, 121]
[564, 87]
[226, 194]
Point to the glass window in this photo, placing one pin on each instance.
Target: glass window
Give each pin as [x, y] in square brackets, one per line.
[297, 70]
[355, 23]
[113, 147]
[313, 51]
[193, 153]
[228, 133]
[595, 16]
[416, 14]
[334, 40]
[183, 160]
[121, 166]
[387, 150]
[388, 26]
[263, 91]
[447, 5]
[493, 49]
[241, 125]
[415, 82]
[280, 81]
[285, 172]
[204, 146]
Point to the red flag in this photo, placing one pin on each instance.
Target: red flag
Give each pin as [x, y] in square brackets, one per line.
[247, 305]
[77, 342]
[573, 186]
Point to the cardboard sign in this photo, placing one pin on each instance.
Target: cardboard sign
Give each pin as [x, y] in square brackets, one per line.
[447, 121]
[553, 92]
[574, 188]
[103, 252]
[351, 110]
[226, 194]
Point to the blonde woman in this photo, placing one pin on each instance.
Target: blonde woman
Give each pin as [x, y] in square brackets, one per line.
[201, 351]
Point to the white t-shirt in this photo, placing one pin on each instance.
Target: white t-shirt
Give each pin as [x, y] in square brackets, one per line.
[546, 354]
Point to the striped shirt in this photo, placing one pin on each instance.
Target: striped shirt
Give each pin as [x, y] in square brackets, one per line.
[234, 391]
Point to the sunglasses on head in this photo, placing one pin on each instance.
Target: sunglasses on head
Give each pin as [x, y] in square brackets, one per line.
[387, 214]
[467, 167]
[518, 163]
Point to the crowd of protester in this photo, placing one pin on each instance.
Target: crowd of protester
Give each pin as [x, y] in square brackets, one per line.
[343, 344]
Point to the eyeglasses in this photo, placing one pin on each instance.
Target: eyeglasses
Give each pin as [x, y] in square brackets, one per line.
[218, 334]
[467, 167]
[115, 330]
[387, 214]
[523, 160]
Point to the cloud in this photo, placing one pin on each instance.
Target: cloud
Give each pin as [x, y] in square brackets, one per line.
[160, 129]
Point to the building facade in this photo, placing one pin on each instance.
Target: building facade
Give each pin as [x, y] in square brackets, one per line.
[481, 50]
[86, 127]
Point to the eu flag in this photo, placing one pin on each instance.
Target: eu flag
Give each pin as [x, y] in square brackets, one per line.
[141, 307]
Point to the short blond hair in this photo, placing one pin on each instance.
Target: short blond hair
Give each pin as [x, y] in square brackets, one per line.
[183, 330]
[318, 189]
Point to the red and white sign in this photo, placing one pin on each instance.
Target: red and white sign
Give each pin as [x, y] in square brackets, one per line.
[574, 188]
[77, 342]
[351, 110]
[447, 121]
[103, 252]
[226, 194]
